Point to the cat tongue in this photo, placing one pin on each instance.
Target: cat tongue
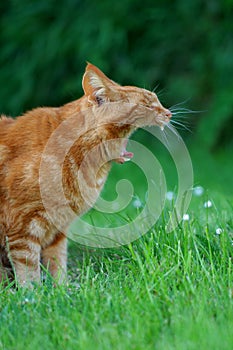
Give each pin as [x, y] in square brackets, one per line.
[125, 156]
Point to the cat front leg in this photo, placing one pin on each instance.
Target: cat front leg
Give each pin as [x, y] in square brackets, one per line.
[54, 257]
[24, 255]
[3, 274]
[6, 272]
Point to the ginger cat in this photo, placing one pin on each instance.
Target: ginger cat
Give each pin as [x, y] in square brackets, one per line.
[27, 235]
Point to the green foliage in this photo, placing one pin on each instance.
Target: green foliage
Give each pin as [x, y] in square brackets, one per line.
[185, 47]
[219, 121]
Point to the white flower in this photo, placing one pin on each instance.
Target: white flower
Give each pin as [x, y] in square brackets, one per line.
[218, 231]
[137, 203]
[170, 195]
[208, 204]
[198, 191]
[186, 217]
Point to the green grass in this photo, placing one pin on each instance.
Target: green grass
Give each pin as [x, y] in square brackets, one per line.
[164, 291]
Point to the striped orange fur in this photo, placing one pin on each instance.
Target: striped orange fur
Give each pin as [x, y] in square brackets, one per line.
[27, 235]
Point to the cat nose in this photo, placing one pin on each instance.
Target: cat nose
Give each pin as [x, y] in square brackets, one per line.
[168, 113]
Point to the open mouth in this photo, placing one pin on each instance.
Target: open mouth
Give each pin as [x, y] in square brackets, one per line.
[125, 156]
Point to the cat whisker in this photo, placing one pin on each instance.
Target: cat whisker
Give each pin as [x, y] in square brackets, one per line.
[180, 103]
[180, 124]
[177, 113]
[155, 88]
[181, 118]
[185, 111]
[164, 132]
[164, 135]
[171, 128]
[160, 92]
[180, 110]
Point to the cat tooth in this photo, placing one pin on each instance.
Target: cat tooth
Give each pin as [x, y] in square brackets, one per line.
[126, 159]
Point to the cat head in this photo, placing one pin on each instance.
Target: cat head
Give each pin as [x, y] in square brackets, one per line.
[99, 89]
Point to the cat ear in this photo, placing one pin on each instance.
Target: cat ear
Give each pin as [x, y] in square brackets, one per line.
[96, 85]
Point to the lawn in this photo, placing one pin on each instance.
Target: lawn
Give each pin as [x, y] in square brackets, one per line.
[163, 291]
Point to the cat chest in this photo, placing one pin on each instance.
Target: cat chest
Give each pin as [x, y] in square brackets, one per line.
[83, 185]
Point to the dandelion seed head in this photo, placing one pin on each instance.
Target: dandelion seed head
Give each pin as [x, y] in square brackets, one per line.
[208, 204]
[137, 203]
[170, 195]
[218, 231]
[186, 217]
[198, 191]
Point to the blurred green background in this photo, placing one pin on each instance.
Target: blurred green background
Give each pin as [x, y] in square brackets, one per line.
[185, 48]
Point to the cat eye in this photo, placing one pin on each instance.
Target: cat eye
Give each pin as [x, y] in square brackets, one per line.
[99, 100]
